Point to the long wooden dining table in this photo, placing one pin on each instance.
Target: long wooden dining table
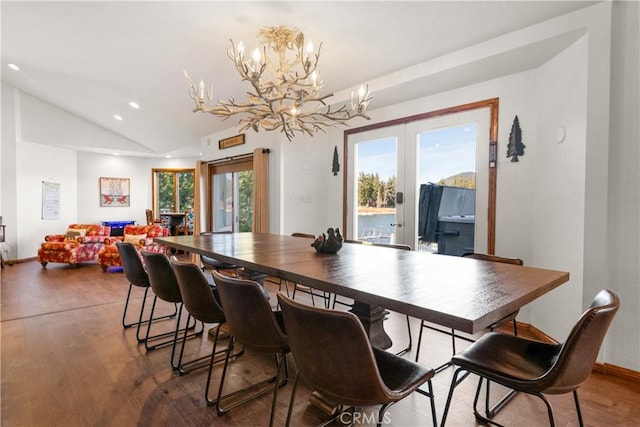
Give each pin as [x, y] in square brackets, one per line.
[460, 293]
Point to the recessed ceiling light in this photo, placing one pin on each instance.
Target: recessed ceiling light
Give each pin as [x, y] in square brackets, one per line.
[134, 105]
[168, 157]
[14, 67]
[117, 117]
[116, 154]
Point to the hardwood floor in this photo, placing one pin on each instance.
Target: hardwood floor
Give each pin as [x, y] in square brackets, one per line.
[66, 361]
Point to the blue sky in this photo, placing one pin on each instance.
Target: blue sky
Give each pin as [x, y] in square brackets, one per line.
[441, 153]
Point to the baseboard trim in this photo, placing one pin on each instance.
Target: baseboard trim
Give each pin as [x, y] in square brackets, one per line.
[599, 368]
[19, 261]
[616, 371]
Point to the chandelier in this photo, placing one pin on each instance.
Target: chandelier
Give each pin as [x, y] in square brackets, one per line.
[284, 88]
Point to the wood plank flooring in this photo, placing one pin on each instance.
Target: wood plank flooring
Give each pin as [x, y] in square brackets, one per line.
[66, 361]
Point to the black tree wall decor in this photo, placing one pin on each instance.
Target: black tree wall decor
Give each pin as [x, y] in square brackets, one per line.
[515, 147]
[335, 168]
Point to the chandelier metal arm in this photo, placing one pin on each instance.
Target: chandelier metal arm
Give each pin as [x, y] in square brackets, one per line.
[281, 89]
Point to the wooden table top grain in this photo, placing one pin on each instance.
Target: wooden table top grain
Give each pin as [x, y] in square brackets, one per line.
[460, 293]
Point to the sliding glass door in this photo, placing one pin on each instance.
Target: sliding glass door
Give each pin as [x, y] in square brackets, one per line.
[231, 196]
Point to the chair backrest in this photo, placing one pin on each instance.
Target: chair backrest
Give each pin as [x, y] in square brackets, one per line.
[248, 313]
[306, 235]
[197, 295]
[580, 350]
[161, 277]
[212, 262]
[393, 246]
[132, 264]
[149, 214]
[333, 353]
[493, 258]
[382, 245]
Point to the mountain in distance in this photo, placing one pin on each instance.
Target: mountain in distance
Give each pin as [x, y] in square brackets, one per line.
[462, 179]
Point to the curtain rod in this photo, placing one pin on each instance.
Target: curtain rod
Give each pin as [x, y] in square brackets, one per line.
[239, 156]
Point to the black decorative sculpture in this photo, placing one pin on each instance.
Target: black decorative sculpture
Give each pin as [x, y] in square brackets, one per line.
[336, 166]
[329, 243]
[515, 147]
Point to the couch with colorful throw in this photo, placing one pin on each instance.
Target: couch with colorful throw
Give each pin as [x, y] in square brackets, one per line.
[140, 235]
[81, 243]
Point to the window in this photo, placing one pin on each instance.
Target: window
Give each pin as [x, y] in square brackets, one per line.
[173, 190]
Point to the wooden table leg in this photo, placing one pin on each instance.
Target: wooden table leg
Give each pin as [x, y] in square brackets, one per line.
[372, 318]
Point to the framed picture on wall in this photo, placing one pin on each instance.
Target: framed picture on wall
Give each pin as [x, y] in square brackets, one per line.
[114, 192]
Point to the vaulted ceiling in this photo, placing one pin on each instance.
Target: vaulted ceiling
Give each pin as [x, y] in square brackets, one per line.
[92, 58]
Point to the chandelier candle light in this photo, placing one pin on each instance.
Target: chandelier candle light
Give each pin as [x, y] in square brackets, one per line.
[284, 94]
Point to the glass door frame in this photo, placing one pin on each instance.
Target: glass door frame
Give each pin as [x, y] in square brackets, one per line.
[387, 132]
[492, 104]
[228, 166]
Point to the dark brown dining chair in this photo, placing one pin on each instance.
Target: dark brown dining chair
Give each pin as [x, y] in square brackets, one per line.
[361, 375]
[510, 318]
[165, 286]
[338, 301]
[535, 367]
[137, 276]
[199, 300]
[253, 324]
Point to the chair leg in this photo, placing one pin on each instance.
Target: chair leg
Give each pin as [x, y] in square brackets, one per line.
[218, 402]
[286, 286]
[176, 365]
[280, 360]
[455, 381]
[126, 325]
[432, 400]
[148, 337]
[505, 399]
[410, 344]
[439, 368]
[126, 306]
[453, 335]
[419, 341]
[381, 414]
[552, 422]
[184, 368]
[292, 399]
[491, 411]
[211, 362]
[326, 296]
[575, 398]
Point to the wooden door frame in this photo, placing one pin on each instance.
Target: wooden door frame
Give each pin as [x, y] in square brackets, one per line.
[224, 166]
[492, 104]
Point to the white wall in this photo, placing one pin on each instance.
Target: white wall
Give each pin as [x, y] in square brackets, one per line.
[25, 166]
[93, 166]
[8, 170]
[37, 163]
[623, 249]
[556, 230]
